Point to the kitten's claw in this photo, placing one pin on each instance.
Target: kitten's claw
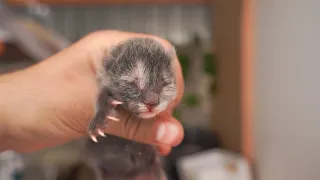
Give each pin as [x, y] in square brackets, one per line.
[94, 138]
[101, 133]
[113, 118]
[115, 102]
[105, 112]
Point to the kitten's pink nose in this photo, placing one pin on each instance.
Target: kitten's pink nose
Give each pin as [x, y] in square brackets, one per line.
[150, 106]
[151, 100]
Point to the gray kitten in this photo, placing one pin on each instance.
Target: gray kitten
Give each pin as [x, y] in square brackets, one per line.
[115, 158]
[138, 76]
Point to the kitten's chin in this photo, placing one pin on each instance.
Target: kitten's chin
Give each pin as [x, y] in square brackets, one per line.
[147, 115]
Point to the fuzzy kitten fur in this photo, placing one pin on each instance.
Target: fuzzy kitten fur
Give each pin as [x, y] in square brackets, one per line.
[138, 76]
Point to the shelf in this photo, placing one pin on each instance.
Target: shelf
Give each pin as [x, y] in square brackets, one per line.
[110, 2]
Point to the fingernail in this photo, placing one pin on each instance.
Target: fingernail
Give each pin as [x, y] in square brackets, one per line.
[167, 133]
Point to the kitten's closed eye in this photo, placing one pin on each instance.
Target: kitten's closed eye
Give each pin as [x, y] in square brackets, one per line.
[134, 84]
[136, 90]
[166, 82]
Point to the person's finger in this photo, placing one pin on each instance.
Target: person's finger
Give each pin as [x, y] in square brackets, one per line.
[162, 130]
[164, 150]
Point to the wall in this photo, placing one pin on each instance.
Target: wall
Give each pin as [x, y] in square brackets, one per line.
[286, 89]
[174, 22]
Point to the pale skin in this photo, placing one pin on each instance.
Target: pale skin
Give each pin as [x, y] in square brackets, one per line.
[52, 102]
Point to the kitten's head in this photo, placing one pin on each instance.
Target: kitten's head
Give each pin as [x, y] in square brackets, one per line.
[141, 75]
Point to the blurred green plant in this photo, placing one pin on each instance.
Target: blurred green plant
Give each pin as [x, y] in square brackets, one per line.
[190, 100]
[210, 64]
[176, 114]
[209, 68]
[184, 61]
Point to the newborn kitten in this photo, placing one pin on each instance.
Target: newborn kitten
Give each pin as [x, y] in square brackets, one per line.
[138, 76]
[115, 158]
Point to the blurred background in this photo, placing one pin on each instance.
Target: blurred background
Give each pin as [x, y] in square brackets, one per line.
[250, 109]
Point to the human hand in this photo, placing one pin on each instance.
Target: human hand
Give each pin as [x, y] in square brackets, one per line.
[52, 102]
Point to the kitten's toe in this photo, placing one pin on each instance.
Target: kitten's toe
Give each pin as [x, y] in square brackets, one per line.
[101, 132]
[100, 121]
[92, 134]
[94, 138]
[96, 129]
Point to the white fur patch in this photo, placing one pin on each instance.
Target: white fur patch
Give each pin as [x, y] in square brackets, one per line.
[140, 73]
[142, 107]
[143, 110]
[127, 78]
[162, 106]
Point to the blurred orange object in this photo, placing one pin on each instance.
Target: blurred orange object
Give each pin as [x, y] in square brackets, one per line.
[2, 48]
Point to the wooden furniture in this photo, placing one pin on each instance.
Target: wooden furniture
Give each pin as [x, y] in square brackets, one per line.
[2, 48]
[227, 40]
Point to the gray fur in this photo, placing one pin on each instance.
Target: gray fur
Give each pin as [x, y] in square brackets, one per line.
[137, 72]
[119, 159]
[124, 76]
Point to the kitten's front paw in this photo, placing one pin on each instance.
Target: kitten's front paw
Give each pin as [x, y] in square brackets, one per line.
[99, 123]
[95, 128]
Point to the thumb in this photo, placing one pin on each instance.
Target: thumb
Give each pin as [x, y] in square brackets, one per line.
[163, 130]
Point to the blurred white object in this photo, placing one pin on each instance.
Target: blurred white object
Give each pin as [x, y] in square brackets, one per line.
[214, 165]
[4, 35]
[10, 163]
[34, 39]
